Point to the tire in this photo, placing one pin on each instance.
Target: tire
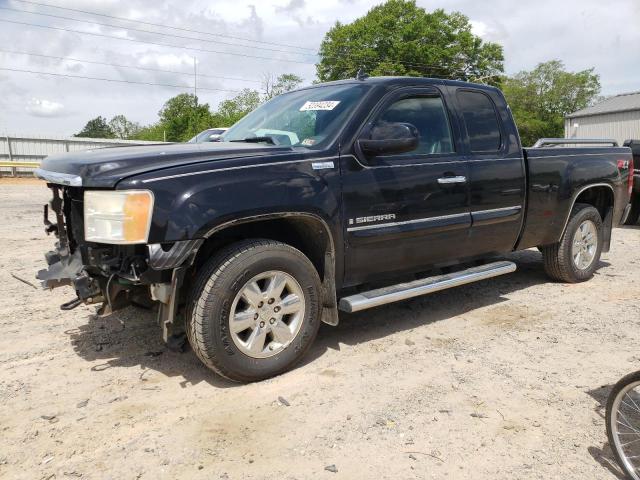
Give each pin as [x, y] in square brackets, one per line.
[224, 283]
[634, 214]
[611, 417]
[559, 263]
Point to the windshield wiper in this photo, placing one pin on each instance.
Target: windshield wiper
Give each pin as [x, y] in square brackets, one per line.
[265, 139]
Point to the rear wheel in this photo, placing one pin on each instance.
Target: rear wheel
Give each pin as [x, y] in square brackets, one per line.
[255, 310]
[575, 257]
[634, 214]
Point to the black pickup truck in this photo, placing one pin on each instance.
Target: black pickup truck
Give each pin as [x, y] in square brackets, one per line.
[339, 196]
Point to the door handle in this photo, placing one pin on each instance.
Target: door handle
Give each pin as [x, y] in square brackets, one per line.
[449, 180]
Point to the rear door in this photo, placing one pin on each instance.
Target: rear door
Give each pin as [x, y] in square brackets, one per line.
[497, 182]
[410, 210]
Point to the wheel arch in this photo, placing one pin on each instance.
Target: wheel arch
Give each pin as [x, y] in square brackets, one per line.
[308, 232]
[602, 197]
[287, 227]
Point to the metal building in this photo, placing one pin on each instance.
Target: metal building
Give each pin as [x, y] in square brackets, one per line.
[26, 151]
[616, 117]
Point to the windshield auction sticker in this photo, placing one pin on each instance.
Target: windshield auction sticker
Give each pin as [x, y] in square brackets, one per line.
[326, 105]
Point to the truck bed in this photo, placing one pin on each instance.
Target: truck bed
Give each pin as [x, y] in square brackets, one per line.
[556, 176]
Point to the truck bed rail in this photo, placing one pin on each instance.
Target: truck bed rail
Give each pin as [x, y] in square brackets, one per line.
[542, 142]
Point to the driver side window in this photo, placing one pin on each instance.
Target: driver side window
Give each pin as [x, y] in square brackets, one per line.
[427, 113]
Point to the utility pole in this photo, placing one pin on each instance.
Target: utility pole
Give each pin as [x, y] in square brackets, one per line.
[195, 80]
[194, 129]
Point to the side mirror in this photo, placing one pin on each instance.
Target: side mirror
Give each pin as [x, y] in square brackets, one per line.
[390, 138]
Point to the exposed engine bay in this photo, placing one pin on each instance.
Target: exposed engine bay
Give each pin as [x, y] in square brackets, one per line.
[111, 276]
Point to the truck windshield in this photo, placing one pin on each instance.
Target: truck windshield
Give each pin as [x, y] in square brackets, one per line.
[302, 118]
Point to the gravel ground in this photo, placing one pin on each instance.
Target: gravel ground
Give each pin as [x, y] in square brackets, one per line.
[501, 379]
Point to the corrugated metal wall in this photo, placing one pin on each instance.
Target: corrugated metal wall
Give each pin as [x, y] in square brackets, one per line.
[33, 149]
[621, 126]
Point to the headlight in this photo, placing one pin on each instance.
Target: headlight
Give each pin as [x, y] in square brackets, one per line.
[121, 217]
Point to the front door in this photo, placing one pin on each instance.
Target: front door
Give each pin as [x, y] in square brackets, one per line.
[409, 211]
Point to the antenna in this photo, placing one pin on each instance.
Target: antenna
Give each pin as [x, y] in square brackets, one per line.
[361, 75]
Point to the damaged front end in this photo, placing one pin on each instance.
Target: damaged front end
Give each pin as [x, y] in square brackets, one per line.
[112, 276]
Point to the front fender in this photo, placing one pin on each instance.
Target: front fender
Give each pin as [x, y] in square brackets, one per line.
[193, 203]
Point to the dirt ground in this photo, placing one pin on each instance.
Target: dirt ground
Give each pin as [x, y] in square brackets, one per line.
[501, 379]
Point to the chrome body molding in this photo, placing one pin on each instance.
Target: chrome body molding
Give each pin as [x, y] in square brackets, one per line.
[406, 222]
[58, 178]
[515, 209]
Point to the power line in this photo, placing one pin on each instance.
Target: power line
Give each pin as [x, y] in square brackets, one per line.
[102, 35]
[264, 42]
[184, 37]
[362, 57]
[128, 66]
[114, 80]
[424, 66]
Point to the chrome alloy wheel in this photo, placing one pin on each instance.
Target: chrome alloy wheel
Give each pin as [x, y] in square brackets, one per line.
[584, 245]
[266, 314]
[625, 427]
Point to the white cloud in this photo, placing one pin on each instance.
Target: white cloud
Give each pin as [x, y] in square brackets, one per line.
[165, 60]
[582, 33]
[291, 6]
[479, 28]
[41, 107]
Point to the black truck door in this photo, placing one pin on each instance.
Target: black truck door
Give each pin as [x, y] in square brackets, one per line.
[497, 180]
[404, 212]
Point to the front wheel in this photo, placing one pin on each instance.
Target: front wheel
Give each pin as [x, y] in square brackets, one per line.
[623, 424]
[255, 310]
[575, 257]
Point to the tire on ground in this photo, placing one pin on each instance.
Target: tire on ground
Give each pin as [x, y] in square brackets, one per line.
[209, 308]
[634, 214]
[558, 261]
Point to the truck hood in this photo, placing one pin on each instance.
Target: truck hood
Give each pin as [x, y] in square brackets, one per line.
[105, 167]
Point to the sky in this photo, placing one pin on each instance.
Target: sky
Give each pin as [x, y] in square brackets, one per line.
[248, 39]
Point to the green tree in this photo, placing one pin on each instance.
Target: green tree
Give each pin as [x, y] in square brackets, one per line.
[123, 128]
[154, 132]
[540, 99]
[182, 117]
[273, 86]
[400, 38]
[96, 128]
[232, 110]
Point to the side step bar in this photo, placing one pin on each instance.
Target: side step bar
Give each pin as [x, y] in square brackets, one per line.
[403, 291]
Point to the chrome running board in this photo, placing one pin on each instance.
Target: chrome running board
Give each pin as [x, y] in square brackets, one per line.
[403, 291]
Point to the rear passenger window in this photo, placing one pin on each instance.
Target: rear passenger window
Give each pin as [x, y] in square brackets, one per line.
[481, 121]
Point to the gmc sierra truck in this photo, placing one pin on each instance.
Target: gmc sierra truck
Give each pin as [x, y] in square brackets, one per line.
[340, 196]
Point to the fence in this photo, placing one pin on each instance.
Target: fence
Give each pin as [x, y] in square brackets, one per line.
[19, 155]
